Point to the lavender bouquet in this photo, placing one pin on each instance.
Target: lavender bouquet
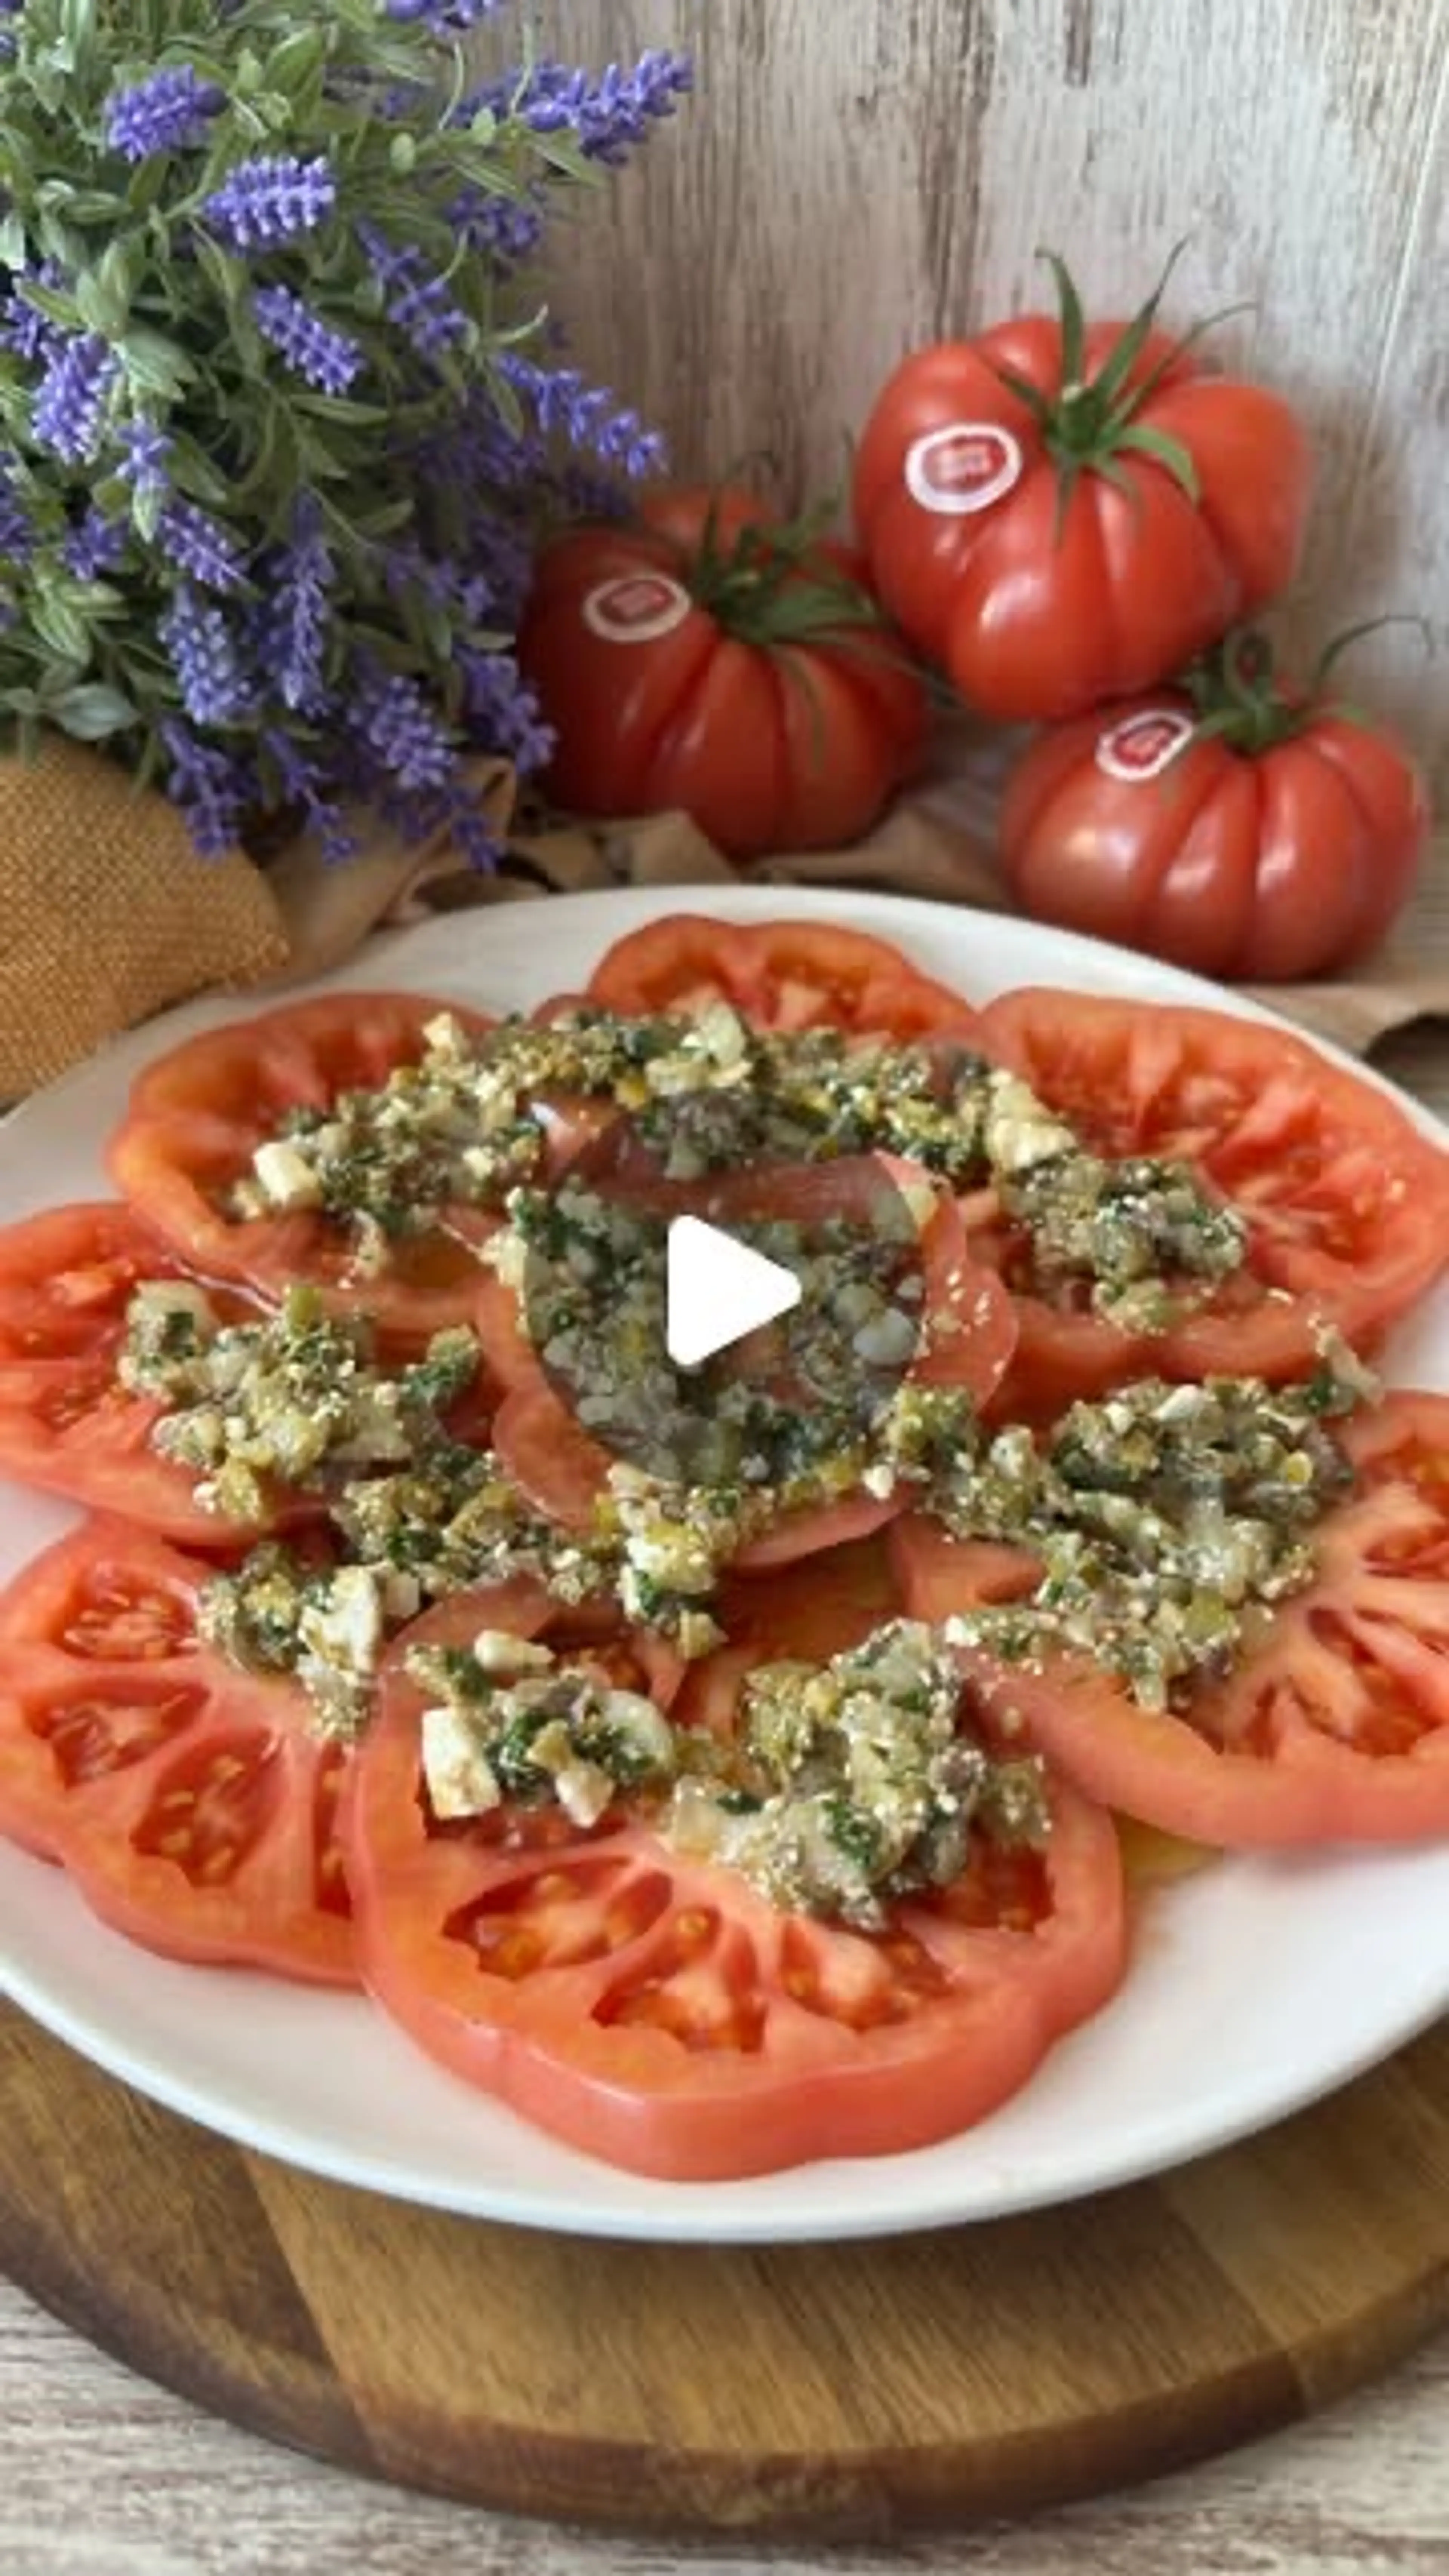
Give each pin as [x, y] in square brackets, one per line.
[281, 412]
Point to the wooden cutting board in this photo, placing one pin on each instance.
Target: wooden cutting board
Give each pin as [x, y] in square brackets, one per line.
[805, 2389]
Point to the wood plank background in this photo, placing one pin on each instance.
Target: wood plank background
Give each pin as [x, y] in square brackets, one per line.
[853, 177]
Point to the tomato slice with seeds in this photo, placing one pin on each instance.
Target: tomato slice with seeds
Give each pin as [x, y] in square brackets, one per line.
[193, 1804]
[197, 1116]
[66, 1424]
[969, 1332]
[777, 975]
[659, 2013]
[1346, 1204]
[1334, 1729]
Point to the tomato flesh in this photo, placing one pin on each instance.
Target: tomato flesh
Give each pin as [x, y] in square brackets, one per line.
[777, 975]
[657, 2011]
[1346, 1205]
[196, 1117]
[192, 1804]
[1334, 1729]
[67, 1424]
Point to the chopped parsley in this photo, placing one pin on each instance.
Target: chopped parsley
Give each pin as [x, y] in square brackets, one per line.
[1166, 1520]
[293, 1400]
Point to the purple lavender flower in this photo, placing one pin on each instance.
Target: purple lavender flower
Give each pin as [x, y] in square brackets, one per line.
[445, 17]
[328, 359]
[417, 303]
[24, 328]
[293, 628]
[214, 688]
[608, 114]
[212, 788]
[394, 722]
[453, 809]
[588, 416]
[96, 547]
[306, 785]
[169, 112]
[508, 229]
[144, 450]
[70, 408]
[269, 200]
[473, 833]
[200, 546]
[502, 712]
[17, 532]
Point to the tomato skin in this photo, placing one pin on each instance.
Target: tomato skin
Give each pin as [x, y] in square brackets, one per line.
[1041, 605]
[196, 1115]
[778, 975]
[1335, 1728]
[67, 1426]
[658, 2013]
[1263, 867]
[192, 1804]
[1346, 1204]
[768, 746]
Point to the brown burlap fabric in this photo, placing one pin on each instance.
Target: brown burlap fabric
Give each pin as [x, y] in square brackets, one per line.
[109, 915]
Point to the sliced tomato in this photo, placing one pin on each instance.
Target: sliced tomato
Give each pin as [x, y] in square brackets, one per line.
[509, 1357]
[804, 1612]
[1334, 1729]
[66, 1424]
[1346, 1204]
[196, 1117]
[969, 1333]
[656, 2012]
[564, 1474]
[777, 975]
[193, 1804]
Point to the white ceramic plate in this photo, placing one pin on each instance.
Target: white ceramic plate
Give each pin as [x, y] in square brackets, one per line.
[1257, 1986]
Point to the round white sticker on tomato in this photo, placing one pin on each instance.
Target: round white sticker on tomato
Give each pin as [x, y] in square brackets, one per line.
[963, 468]
[636, 607]
[1143, 745]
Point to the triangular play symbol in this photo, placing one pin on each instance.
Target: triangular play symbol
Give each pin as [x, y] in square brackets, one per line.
[717, 1290]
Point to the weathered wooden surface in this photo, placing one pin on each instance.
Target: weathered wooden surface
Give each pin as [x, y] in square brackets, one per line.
[856, 176]
[809, 2391]
[102, 2474]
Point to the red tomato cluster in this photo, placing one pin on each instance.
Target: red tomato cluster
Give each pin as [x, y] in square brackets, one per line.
[1065, 521]
[649, 2005]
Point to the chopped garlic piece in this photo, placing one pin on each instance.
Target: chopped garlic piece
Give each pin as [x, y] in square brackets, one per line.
[460, 1778]
[495, 1651]
[286, 1177]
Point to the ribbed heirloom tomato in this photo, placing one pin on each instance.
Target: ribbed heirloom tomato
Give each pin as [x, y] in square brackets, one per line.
[196, 1116]
[1333, 1728]
[787, 975]
[966, 1339]
[710, 658]
[656, 2010]
[1247, 831]
[1345, 1204]
[1059, 515]
[192, 1803]
[67, 1424]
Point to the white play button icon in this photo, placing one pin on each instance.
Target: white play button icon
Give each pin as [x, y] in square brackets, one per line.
[717, 1290]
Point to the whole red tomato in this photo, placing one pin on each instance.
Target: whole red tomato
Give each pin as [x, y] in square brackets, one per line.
[1245, 829]
[1059, 515]
[714, 658]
